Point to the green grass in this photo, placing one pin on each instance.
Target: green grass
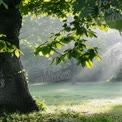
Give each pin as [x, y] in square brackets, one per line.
[81, 102]
[68, 93]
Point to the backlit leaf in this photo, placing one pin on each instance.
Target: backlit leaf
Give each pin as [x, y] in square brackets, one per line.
[58, 45]
[17, 53]
[89, 64]
[98, 58]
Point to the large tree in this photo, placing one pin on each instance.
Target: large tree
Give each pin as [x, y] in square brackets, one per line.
[14, 93]
[86, 14]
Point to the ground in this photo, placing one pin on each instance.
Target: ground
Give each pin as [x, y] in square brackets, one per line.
[80, 102]
[68, 93]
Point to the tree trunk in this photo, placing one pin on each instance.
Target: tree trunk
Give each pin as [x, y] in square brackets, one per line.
[14, 93]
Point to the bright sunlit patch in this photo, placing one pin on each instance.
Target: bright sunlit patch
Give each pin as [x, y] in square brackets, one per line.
[117, 100]
[46, 0]
[63, 90]
[37, 84]
[92, 107]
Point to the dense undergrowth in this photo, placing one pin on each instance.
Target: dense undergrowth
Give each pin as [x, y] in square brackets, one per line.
[60, 116]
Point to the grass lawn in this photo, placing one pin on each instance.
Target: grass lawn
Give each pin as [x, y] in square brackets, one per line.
[80, 102]
[73, 94]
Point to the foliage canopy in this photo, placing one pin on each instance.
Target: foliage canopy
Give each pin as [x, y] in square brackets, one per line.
[87, 15]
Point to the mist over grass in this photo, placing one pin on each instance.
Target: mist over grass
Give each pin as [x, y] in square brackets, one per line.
[72, 94]
[83, 101]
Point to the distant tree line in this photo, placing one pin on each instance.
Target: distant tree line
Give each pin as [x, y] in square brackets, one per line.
[48, 75]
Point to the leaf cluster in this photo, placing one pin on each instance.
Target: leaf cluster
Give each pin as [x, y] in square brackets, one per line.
[60, 8]
[87, 15]
[8, 47]
[73, 32]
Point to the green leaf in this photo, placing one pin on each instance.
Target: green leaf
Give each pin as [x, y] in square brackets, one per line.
[58, 45]
[40, 53]
[65, 25]
[46, 0]
[47, 55]
[89, 64]
[51, 52]
[2, 35]
[2, 46]
[5, 5]
[98, 58]
[67, 39]
[65, 20]
[101, 27]
[68, 29]
[104, 28]
[45, 50]
[17, 53]
[58, 60]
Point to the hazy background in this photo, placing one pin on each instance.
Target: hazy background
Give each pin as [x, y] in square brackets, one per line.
[37, 69]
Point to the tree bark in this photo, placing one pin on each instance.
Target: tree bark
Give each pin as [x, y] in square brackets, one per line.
[14, 93]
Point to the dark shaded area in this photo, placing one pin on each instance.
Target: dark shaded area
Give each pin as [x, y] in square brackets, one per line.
[12, 3]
